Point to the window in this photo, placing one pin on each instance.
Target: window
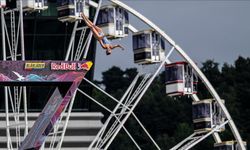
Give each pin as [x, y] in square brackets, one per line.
[142, 56]
[111, 15]
[162, 44]
[126, 17]
[106, 16]
[79, 6]
[126, 30]
[135, 43]
[224, 147]
[147, 40]
[65, 2]
[173, 73]
[155, 44]
[119, 18]
[201, 111]
[141, 41]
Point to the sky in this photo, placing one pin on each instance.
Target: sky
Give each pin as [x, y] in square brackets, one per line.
[204, 29]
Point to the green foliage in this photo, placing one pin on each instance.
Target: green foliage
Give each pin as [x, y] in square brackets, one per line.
[169, 120]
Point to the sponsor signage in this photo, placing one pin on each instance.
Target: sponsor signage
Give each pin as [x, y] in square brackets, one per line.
[63, 66]
[42, 71]
[34, 65]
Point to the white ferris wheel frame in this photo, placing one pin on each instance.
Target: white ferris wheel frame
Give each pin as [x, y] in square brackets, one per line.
[193, 65]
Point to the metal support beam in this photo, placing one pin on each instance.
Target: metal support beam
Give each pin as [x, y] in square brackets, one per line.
[71, 41]
[110, 117]
[93, 4]
[135, 104]
[104, 107]
[139, 122]
[14, 95]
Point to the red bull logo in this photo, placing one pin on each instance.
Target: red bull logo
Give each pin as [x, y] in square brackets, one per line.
[84, 66]
[63, 66]
[70, 66]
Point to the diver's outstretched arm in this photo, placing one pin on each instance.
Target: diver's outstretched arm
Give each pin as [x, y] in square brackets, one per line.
[116, 46]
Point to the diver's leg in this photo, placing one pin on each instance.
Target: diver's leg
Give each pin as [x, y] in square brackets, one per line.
[96, 34]
[89, 24]
[98, 29]
[95, 30]
[87, 21]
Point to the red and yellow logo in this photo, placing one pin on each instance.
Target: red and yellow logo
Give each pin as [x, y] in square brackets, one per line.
[34, 65]
[85, 66]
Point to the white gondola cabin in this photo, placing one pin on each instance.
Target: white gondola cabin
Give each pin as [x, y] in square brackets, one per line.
[180, 79]
[33, 5]
[70, 10]
[206, 115]
[148, 47]
[114, 21]
[228, 145]
[2, 3]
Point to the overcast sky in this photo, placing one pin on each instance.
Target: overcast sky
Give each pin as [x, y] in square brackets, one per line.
[214, 29]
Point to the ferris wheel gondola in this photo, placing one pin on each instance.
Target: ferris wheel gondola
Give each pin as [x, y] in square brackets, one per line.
[180, 79]
[114, 21]
[33, 5]
[148, 47]
[70, 10]
[206, 115]
[228, 145]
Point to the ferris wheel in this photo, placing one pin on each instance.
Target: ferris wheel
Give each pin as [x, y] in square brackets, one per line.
[210, 116]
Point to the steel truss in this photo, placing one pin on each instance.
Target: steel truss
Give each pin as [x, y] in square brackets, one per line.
[123, 110]
[15, 97]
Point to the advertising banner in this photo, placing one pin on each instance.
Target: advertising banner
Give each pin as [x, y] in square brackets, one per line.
[23, 72]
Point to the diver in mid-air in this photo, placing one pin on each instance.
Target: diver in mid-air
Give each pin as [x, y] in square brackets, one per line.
[100, 36]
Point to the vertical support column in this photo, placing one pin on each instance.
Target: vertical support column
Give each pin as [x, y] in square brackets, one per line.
[23, 58]
[5, 88]
[22, 30]
[3, 34]
[71, 41]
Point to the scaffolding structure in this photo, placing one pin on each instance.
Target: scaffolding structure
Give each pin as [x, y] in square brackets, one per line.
[15, 96]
